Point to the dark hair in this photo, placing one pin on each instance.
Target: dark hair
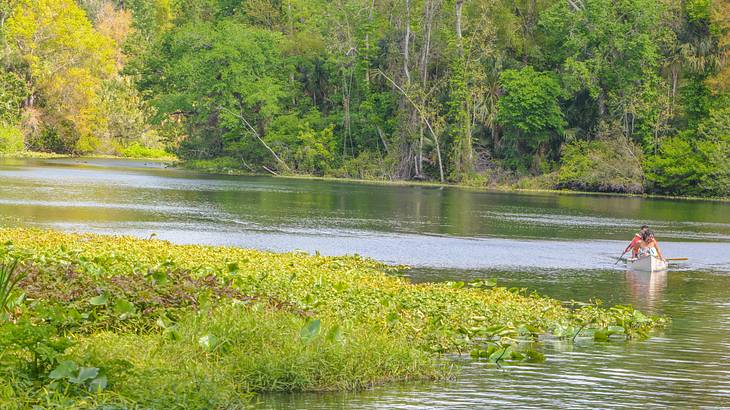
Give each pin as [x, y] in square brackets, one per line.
[647, 235]
[644, 227]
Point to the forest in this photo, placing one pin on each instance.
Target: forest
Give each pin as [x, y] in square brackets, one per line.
[600, 95]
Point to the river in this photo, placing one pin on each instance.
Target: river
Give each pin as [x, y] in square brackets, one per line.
[560, 245]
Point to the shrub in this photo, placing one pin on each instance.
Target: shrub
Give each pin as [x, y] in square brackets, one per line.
[604, 165]
[694, 163]
[365, 166]
[137, 150]
[11, 139]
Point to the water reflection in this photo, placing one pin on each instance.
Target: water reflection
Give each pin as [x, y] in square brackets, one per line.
[559, 245]
[311, 204]
[684, 366]
[646, 289]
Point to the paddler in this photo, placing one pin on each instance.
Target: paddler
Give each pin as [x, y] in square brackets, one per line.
[637, 239]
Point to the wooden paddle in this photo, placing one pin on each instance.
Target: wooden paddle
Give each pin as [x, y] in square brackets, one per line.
[619, 258]
[677, 259]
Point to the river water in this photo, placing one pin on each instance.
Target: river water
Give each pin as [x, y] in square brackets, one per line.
[562, 245]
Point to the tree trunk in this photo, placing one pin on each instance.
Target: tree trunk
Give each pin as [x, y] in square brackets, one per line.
[367, 43]
[406, 42]
[425, 121]
[429, 11]
[459, 6]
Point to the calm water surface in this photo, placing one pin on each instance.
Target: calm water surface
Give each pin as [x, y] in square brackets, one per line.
[559, 245]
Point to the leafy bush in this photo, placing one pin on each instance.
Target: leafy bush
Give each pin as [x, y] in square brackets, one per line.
[529, 112]
[303, 143]
[365, 166]
[11, 139]
[137, 150]
[694, 163]
[122, 322]
[603, 165]
[86, 144]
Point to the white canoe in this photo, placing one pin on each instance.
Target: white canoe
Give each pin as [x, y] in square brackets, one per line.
[646, 264]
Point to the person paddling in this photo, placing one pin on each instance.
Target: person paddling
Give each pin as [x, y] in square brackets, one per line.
[637, 238]
[648, 245]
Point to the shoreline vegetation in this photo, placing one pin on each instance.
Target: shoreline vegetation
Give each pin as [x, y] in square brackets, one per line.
[527, 185]
[591, 95]
[152, 155]
[209, 168]
[102, 320]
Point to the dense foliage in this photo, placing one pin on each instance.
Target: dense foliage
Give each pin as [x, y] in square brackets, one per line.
[469, 91]
[87, 321]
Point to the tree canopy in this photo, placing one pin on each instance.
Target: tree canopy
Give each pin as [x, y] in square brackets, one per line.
[464, 90]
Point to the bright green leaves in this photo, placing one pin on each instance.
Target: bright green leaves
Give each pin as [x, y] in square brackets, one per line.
[88, 377]
[530, 112]
[124, 309]
[310, 330]
[208, 342]
[335, 334]
[313, 330]
[483, 283]
[100, 300]
[68, 61]
[64, 370]
[500, 354]
[121, 308]
[695, 163]
[218, 72]
[604, 166]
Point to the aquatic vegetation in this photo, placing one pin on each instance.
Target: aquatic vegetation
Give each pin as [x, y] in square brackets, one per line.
[124, 321]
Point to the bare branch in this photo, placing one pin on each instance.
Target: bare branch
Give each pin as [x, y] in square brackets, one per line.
[423, 118]
[256, 134]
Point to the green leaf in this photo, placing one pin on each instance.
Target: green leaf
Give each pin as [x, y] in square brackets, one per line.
[98, 384]
[456, 285]
[232, 267]
[99, 300]
[534, 356]
[600, 336]
[208, 342]
[64, 370]
[159, 277]
[85, 373]
[123, 308]
[501, 354]
[335, 334]
[310, 330]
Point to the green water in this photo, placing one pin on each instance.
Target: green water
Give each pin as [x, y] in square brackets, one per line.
[560, 245]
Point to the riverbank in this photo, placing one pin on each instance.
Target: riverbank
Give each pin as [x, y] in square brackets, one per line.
[525, 185]
[105, 320]
[144, 154]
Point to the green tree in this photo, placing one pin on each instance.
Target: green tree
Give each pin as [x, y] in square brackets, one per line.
[67, 61]
[529, 112]
[223, 80]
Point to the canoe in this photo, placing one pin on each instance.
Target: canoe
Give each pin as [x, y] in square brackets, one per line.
[646, 264]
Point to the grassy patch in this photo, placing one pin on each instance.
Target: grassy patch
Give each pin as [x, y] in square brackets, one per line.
[102, 320]
[137, 150]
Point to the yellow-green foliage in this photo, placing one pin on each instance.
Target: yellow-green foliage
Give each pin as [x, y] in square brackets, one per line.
[11, 139]
[159, 325]
[351, 289]
[67, 60]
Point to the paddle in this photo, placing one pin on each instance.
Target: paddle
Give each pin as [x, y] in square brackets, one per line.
[619, 258]
[677, 259]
